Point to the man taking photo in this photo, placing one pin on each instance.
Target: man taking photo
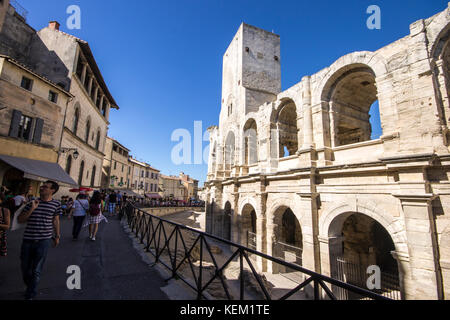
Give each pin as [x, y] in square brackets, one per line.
[42, 218]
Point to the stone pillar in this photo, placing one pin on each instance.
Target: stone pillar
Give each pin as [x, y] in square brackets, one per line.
[330, 248]
[333, 124]
[91, 81]
[422, 278]
[310, 254]
[261, 231]
[83, 73]
[308, 140]
[236, 219]
[102, 98]
[95, 95]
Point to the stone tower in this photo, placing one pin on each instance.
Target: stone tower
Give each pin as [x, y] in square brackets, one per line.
[251, 71]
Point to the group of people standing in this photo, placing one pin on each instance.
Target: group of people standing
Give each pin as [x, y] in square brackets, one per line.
[41, 219]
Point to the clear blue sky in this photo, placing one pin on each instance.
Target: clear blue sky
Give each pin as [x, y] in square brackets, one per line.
[162, 60]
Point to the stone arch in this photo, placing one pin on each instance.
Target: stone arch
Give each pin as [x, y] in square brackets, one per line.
[227, 218]
[365, 58]
[369, 208]
[284, 122]
[87, 132]
[76, 117]
[243, 201]
[230, 150]
[440, 64]
[349, 92]
[97, 141]
[250, 142]
[437, 30]
[248, 225]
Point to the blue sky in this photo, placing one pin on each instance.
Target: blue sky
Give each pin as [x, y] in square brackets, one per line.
[162, 60]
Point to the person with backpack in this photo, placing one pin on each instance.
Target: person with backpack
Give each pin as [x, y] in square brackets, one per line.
[112, 203]
[95, 215]
[79, 211]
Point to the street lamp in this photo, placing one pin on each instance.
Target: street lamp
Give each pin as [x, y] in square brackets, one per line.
[75, 154]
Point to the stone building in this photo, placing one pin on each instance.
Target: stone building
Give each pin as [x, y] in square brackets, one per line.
[87, 118]
[116, 169]
[32, 111]
[172, 188]
[296, 174]
[68, 62]
[191, 187]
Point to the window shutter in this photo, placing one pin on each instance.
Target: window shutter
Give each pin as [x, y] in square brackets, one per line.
[38, 131]
[15, 122]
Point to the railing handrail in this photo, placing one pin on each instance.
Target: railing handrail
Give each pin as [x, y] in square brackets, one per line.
[315, 276]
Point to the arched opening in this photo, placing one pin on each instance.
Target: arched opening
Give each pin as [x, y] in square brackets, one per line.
[358, 241]
[353, 106]
[287, 129]
[288, 242]
[81, 174]
[248, 226]
[441, 57]
[97, 142]
[69, 164]
[226, 221]
[76, 119]
[88, 131]
[250, 142]
[229, 152]
[94, 171]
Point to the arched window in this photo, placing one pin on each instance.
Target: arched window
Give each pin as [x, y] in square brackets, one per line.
[97, 143]
[80, 176]
[88, 131]
[94, 170]
[76, 119]
[69, 164]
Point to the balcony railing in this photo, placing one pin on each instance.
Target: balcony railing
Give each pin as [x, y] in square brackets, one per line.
[195, 258]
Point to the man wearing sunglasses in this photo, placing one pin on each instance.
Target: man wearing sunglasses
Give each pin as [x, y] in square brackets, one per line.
[42, 219]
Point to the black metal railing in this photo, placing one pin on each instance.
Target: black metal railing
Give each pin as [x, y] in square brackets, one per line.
[163, 239]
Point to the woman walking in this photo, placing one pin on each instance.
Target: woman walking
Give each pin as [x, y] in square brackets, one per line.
[79, 211]
[95, 215]
[4, 226]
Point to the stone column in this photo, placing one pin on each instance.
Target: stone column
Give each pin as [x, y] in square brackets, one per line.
[83, 73]
[333, 123]
[102, 98]
[91, 81]
[308, 141]
[95, 94]
[309, 225]
[261, 238]
[422, 278]
[236, 221]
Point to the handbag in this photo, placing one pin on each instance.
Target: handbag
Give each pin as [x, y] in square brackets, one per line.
[15, 225]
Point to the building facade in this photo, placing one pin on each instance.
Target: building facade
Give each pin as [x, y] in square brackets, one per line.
[115, 174]
[69, 63]
[299, 171]
[172, 188]
[32, 111]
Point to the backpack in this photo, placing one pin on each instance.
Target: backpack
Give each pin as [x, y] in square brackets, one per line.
[94, 209]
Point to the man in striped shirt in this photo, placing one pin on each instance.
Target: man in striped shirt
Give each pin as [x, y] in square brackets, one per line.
[41, 217]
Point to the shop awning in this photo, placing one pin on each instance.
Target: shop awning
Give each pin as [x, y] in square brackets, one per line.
[39, 170]
[153, 195]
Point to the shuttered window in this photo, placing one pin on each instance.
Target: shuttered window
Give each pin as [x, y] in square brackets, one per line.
[26, 128]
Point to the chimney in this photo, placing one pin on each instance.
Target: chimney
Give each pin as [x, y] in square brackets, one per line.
[54, 25]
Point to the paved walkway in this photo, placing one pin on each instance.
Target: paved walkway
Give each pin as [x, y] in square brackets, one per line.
[111, 269]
